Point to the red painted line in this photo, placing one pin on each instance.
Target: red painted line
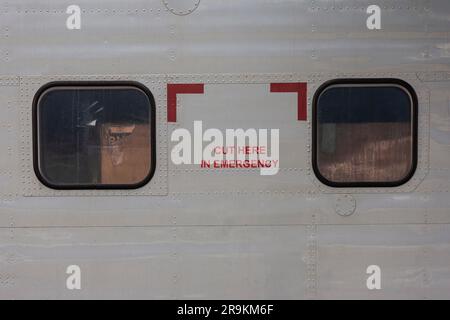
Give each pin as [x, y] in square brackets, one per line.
[180, 88]
[298, 87]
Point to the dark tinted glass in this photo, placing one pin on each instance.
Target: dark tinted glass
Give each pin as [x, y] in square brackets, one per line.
[364, 133]
[94, 136]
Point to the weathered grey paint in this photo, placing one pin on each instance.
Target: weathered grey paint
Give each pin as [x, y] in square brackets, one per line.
[193, 233]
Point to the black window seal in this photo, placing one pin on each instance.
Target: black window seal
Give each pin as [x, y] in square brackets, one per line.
[86, 84]
[415, 125]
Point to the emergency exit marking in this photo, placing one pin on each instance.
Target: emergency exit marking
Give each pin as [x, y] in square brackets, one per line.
[199, 88]
[301, 89]
[173, 89]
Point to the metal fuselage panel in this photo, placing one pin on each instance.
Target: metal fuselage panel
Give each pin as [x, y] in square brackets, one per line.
[194, 233]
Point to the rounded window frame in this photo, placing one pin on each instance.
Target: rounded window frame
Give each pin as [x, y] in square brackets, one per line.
[415, 126]
[86, 84]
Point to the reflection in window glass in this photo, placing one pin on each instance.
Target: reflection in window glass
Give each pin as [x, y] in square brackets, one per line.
[364, 134]
[94, 136]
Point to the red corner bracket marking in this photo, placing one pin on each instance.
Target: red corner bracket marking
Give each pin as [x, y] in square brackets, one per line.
[301, 89]
[178, 88]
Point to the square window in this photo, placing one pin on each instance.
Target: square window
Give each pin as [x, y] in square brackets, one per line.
[94, 135]
[365, 133]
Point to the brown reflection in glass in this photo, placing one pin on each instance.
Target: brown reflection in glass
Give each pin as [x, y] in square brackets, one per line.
[125, 150]
[364, 152]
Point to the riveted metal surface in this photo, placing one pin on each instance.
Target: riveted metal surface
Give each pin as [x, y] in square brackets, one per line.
[345, 205]
[4, 36]
[226, 233]
[295, 185]
[413, 260]
[438, 180]
[9, 81]
[9, 91]
[439, 76]
[156, 263]
[181, 7]
[311, 260]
